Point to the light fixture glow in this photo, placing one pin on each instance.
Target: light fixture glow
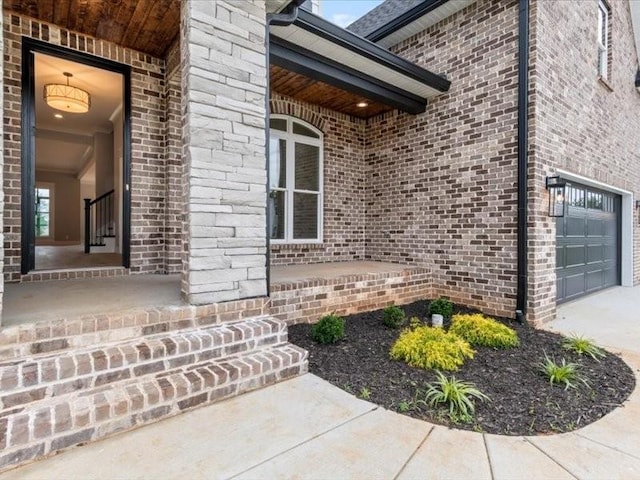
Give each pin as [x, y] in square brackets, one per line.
[67, 98]
[362, 104]
[58, 115]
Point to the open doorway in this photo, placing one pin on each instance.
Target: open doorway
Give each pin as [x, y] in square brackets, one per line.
[75, 162]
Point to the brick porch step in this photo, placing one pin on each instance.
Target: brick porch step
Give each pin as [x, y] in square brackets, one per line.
[51, 402]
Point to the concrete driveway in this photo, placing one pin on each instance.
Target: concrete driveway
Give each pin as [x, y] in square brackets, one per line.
[611, 316]
[307, 428]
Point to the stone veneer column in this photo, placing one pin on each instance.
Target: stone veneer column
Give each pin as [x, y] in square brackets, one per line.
[224, 70]
[1, 164]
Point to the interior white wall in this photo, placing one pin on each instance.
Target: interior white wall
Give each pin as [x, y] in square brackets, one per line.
[118, 142]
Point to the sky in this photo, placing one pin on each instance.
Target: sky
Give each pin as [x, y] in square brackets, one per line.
[344, 12]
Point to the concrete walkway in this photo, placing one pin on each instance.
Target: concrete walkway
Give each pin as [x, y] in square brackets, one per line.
[307, 428]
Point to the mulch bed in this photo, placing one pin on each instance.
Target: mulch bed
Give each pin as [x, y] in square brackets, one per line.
[522, 400]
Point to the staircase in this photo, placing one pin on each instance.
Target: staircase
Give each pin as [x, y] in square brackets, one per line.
[99, 224]
[57, 400]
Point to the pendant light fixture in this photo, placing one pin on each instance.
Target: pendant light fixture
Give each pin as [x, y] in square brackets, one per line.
[66, 97]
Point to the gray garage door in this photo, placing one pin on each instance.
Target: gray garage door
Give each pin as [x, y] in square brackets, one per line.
[587, 243]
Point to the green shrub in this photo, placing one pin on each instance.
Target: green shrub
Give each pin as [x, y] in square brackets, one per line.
[329, 329]
[458, 395]
[565, 372]
[441, 306]
[393, 317]
[428, 347]
[582, 345]
[415, 322]
[483, 331]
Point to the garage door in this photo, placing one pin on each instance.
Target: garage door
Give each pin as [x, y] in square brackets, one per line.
[587, 243]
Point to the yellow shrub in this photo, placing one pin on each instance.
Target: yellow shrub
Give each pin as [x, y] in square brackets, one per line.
[428, 347]
[483, 331]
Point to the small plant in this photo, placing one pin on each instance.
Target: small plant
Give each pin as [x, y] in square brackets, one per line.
[428, 347]
[458, 395]
[329, 329]
[565, 372]
[415, 322]
[404, 406]
[393, 317]
[483, 331]
[365, 393]
[441, 306]
[583, 346]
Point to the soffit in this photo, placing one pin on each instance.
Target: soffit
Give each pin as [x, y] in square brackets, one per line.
[326, 48]
[312, 91]
[149, 26]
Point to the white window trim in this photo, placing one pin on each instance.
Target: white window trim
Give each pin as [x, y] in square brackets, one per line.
[291, 139]
[603, 48]
[52, 193]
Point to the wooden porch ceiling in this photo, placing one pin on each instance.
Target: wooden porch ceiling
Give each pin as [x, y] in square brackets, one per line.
[312, 91]
[149, 26]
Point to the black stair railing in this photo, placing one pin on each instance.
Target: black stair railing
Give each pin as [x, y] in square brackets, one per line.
[98, 220]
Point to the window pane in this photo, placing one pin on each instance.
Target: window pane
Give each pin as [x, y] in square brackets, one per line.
[302, 130]
[277, 214]
[305, 216]
[307, 161]
[278, 124]
[277, 163]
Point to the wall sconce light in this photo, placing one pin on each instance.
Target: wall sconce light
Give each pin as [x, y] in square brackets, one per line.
[556, 187]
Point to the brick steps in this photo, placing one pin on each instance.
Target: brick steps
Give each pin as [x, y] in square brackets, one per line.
[48, 375]
[63, 400]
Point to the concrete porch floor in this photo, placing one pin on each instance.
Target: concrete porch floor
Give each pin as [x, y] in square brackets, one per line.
[324, 271]
[52, 300]
[307, 428]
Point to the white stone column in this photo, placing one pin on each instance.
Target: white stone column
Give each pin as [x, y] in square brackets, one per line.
[224, 68]
[2, 165]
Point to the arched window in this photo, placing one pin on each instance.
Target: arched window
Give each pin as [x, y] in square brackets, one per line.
[295, 181]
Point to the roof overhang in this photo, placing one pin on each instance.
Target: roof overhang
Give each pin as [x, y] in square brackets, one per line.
[348, 61]
[416, 20]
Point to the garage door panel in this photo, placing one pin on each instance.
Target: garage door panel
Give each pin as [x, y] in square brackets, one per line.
[610, 277]
[574, 227]
[574, 255]
[574, 285]
[587, 251]
[595, 253]
[595, 280]
[610, 252]
[560, 261]
[595, 227]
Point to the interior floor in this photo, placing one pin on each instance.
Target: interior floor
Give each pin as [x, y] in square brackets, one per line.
[57, 257]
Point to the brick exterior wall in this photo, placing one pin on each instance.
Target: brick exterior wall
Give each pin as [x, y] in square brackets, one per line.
[148, 176]
[578, 123]
[344, 186]
[224, 105]
[3, 196]
[442, 190]
[307, 300]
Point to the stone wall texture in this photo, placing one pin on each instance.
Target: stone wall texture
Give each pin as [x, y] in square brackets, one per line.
[224, 106]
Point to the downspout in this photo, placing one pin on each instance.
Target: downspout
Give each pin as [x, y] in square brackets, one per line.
[523, 167]
[285, 17]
